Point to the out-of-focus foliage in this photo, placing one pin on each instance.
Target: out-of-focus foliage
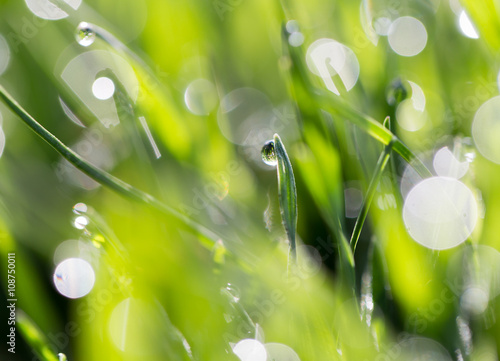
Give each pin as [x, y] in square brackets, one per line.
[177, 98]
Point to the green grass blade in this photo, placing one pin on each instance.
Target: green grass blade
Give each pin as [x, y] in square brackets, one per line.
[99, 175]
[34, 336]
[372, 188]
[301, 87]
[287, 193]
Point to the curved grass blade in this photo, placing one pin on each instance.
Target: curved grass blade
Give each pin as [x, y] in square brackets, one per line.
[99, 175]
[34, 336]
[287, 193]
[372, 188]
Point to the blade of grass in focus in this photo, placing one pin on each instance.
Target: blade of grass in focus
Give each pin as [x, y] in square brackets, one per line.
[372, 188]
[287, 193]
[34, 336]
[99, 175]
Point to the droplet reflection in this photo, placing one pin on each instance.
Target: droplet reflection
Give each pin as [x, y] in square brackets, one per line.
[85, 35]
[74, 278]
[268, 154]
[440, 213]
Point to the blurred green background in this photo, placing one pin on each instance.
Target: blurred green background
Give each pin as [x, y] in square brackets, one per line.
[199, 87]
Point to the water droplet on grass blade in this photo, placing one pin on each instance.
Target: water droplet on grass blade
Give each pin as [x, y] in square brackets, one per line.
[232, 291]
[268, 154]
[396, 92]
[80, 208]
[62, 357]
[85, 35]
[81, 222]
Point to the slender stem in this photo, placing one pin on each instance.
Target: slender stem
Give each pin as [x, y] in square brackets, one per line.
[375, 130]
[372, 188]
[99, 175]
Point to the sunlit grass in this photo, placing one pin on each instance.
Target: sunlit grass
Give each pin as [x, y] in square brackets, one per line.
[204, 248]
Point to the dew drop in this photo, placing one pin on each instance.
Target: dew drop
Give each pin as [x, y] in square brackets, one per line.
[268, 154]
[62, 357]
[85, 36]
[396, 92]
[81, 222]
[233, 291]
[80, 208]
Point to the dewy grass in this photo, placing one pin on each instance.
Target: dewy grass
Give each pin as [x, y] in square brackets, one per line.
[99, 175]
[324, 100]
